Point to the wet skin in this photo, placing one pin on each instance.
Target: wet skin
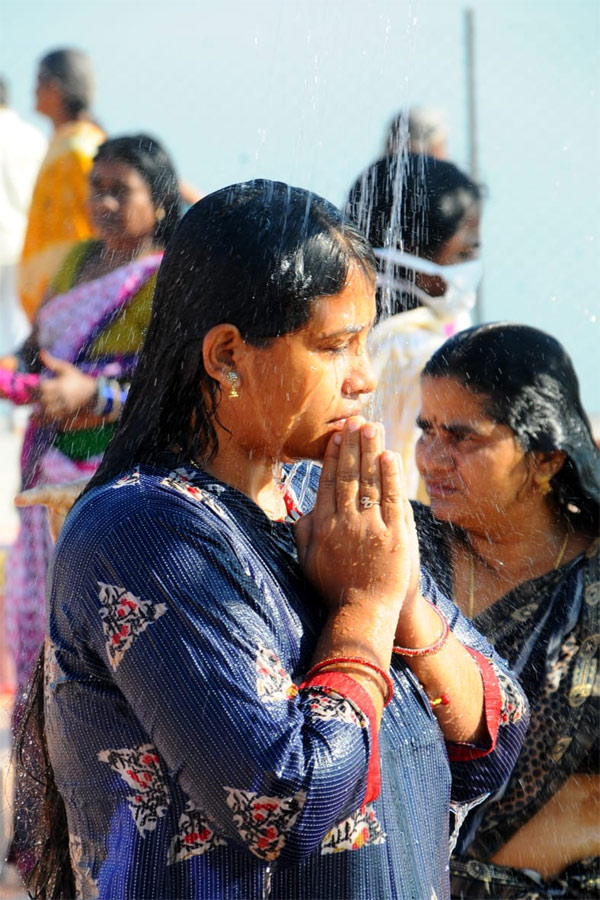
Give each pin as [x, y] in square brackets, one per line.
[302, 387]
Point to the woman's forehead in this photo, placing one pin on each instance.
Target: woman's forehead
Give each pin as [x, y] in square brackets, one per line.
[351, 310]
[446, 396]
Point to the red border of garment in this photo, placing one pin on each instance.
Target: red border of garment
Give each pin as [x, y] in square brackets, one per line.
[350, 689]
[492, 704]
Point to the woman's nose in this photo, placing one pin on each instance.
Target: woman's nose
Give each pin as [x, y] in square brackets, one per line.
[364, 380]
[106, 201]
[433, 455]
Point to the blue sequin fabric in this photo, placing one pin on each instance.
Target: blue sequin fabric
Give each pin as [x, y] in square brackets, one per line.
[191, 763]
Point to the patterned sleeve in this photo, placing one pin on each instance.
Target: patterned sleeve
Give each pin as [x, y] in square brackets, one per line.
[182, 626]
[478, 771]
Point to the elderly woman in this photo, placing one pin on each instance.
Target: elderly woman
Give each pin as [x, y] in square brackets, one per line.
[229, 713]
[513, 474]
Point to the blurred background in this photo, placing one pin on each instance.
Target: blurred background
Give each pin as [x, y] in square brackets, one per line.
[304, 91]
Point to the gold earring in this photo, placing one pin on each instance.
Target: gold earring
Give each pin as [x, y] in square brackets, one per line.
[233, 378]
[159, 214]
[544, 486]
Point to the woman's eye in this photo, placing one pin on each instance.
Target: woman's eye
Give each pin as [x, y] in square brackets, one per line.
[337, 349]
[460, 439]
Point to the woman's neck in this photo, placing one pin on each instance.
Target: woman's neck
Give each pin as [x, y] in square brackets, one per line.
[514, 546]
[252, 475]
[487, 563]
[123, 253]
[61, 116]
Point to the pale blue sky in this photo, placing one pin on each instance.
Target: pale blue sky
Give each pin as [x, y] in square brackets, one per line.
[302, 91]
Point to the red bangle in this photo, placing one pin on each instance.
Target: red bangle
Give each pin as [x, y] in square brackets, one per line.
[432, 648]
[358, 661]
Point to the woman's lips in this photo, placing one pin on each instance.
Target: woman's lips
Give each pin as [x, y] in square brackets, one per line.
[341, 420]
[438, 490]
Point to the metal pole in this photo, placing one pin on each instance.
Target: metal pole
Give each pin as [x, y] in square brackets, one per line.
[472, 124]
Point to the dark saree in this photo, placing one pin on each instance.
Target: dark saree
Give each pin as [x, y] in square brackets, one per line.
[549, 631]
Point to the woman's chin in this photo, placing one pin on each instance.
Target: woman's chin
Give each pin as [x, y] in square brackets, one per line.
[444, 509]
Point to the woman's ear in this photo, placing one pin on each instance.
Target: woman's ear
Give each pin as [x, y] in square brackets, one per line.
[546, 465]
[221, 350]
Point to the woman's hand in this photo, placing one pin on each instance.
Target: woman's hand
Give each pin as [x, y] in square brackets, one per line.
[358, 545]
[58, 498]
[68, 392]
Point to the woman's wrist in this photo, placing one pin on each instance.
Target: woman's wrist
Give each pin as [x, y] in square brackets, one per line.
[364, 629]
[420, 626]
[109, 398]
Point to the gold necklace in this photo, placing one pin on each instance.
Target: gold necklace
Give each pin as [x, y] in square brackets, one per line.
[471, 604]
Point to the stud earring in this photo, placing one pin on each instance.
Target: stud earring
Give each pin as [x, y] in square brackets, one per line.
[544, 486]
[234, 379]
[159, 214]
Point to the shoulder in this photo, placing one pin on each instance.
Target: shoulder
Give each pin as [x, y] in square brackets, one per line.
[82, 139]
[144, 500]
[21, 135]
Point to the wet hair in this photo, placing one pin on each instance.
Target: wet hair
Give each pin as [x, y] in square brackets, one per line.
[256, 255]
[72, 72]
[412, 202]
[529, 384]
[148, 157]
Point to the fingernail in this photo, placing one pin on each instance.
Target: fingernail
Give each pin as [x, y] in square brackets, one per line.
[353, 424]
[337, 439]
[369, 431]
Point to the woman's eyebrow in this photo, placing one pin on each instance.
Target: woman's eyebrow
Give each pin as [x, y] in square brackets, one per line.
[458, 428]
[350, 329]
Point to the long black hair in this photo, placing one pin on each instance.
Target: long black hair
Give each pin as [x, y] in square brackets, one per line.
[151, 160]
[529, 384]
[411, 202]
[256, 255]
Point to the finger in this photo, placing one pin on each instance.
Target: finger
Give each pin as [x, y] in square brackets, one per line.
[370, 477]
[392, 490]
[325, 502]
[348, 469]
[40, 496]
[55, 522]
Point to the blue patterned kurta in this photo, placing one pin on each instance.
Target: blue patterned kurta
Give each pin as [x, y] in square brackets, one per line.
[191, 765]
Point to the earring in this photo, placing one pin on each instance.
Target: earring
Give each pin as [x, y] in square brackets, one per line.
[544, 486]
[234, 379]
[159, 214]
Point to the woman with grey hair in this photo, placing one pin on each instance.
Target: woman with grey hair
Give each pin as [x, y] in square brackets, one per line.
[58, 217]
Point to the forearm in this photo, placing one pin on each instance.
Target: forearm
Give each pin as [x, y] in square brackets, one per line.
[359, 630]
[450, 673]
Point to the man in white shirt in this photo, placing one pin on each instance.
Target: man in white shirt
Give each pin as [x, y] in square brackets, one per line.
[22, 148]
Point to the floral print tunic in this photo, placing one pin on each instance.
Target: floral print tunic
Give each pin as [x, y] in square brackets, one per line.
[194, 759]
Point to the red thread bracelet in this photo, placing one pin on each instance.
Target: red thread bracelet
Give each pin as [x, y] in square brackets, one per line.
[359, 661]
[444, 700]
[432, 648]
